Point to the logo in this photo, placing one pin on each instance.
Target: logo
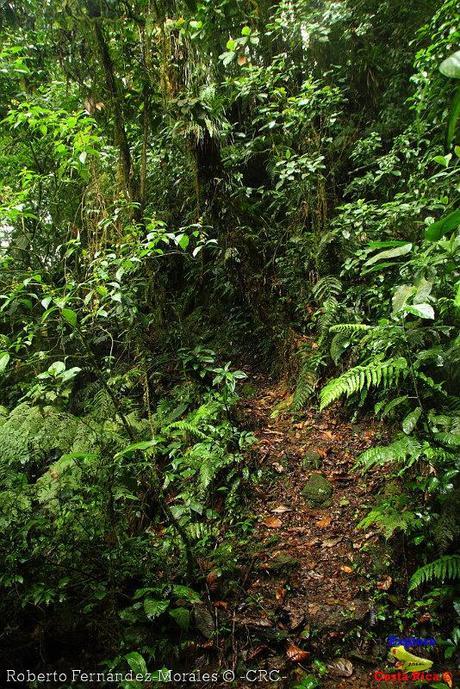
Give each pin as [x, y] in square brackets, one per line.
[381, 676]
[409, 641]
[409, 662]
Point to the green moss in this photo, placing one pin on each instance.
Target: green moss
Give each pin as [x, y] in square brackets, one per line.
[312, 460]
[318, 491]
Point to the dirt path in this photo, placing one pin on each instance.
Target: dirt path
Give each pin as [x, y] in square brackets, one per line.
[307, 587]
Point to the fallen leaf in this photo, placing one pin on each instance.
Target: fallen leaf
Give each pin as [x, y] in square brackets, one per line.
[281, 509]
[207, 644]
[242, 59]
[330, 542]
[222, 604]
[323, 523]
[280, 594]
[211, 580]
[256, 622]
[256, 652]
[272, 522]
[296, 619]
[296, 654]
[278, 468]
[341, 667]
[346, 569]
[385, 583]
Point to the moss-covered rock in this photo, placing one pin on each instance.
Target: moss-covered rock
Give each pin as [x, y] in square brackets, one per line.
[312, 460]
[281, 562]
[318, 491]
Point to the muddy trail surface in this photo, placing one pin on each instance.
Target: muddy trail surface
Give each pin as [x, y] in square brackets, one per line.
[308, 581]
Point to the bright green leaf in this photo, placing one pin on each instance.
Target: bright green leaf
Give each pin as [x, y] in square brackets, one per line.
[421, 310]
[181, 616]
[450, 67]
[410, 421]
[390, 253]
[441, 227]
[155, 608]
[4, 361]
[70, 316]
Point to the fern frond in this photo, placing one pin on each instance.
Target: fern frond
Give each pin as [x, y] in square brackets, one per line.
[329, 313]
[374, 374]
[405, 449]
[349, 328]
[328, 286]
[187, 427]
[384, 408]
[390, 516]
[307, 380]
[447, 567]
[449, 439]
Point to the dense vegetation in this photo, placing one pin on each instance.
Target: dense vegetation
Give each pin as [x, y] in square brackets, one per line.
[185, 185]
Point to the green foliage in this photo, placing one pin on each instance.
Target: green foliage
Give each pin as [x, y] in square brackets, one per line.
[447, 567]
[391, 515]
[404, 451]
[308, 378]
[385, 373]
[188, 183]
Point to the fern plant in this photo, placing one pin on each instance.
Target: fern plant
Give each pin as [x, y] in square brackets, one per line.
[327, 287]
[446, 567]
[343, 336]
[392, 514]
[308, 379]
[377, 372]
[403, 450]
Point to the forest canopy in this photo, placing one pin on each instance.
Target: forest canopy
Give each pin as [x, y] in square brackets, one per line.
[228, 228]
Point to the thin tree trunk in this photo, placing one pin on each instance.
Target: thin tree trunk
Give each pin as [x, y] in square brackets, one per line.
[121, 139]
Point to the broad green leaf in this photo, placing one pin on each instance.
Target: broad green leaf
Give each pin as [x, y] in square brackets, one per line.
[387, 244]
[454, 116]
[411, 420]
[401, 297]
[183, 240]
[142, 445]
[450, 67]
[46, 302]
[70, 316]
[187, 593]
[392, 404]
[443, 160]
[56, 368]
[4, 361]
[441, 227]
[390, 253]
[457, 296]
[227, 57]
[421, 310]
[155, 608]
[137, 663]
[424, 288]
[181, 616]
[245, 31]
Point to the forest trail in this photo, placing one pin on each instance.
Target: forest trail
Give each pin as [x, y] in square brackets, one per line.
[309, 584]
